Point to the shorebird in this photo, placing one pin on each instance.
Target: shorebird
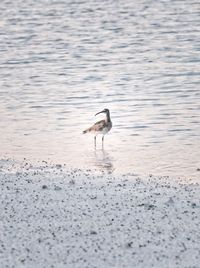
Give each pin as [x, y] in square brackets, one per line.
[100, 127]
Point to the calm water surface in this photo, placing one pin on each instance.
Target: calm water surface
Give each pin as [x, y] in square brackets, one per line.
[63, 61]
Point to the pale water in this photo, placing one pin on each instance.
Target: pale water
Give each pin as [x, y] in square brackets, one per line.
[63, 61]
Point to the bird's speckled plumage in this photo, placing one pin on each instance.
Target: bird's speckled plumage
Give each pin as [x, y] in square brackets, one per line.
[101, 127]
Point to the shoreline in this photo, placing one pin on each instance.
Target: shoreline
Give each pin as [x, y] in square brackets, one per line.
[58, 217]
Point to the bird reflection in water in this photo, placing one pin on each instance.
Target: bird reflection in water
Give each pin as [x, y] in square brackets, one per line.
[103, 161]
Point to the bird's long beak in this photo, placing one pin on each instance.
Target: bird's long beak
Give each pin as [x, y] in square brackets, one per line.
[100, 112]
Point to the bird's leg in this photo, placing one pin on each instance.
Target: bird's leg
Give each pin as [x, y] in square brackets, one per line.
[102, 141]
[95, 142]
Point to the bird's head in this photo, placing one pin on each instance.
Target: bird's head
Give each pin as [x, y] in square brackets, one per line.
[106, 111]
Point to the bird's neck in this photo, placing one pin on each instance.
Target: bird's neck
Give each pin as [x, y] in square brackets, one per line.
[108, 117]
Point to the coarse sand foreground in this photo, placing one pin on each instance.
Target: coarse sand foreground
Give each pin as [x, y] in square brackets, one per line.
[54, 217]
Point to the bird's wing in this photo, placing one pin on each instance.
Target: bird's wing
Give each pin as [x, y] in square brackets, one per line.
[101, 122]
[98, 126]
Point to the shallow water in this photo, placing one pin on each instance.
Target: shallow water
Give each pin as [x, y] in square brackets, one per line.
[63, 61]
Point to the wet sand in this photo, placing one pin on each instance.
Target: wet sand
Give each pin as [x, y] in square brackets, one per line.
[52, 216]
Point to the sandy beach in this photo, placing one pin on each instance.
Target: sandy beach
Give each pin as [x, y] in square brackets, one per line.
[52, 216]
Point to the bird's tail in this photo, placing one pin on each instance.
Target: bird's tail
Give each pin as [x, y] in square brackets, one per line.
[90, 129]
[86, 131]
